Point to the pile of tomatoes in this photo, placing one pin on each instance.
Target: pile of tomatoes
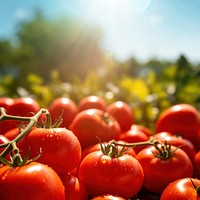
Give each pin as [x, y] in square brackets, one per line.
[96, 151]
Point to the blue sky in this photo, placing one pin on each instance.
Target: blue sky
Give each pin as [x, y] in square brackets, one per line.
[140, 28]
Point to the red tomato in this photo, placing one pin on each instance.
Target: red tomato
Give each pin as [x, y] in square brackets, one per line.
[144, 129]
[92, 101]
[23, 106]
[103, 174]
[74, 189]
[180, 119]
[122, 112]
[67, 107]
[184, 144]
[181, 189]
[32, 181]
[196, 165]
[134, 135]
[61, 149]
[92, 123]
[159, 172]
[108, 197]
[5, 102]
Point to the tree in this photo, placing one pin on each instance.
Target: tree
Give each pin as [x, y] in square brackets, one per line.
[65, 44]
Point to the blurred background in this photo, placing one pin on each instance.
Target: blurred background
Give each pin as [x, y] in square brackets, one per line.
[145, 52]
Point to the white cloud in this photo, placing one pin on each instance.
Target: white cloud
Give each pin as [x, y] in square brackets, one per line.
[21, 14]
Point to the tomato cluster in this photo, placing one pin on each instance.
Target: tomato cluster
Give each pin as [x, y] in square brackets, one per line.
[96, 151]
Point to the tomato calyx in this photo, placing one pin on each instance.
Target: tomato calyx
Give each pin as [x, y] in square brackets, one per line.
[197, 188]
[11, 147]
[106, 117]
[48, 121]
[112, 150]
[164, 150]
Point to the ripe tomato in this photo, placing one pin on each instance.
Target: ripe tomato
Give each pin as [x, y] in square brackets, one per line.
[142, 128]
[92, 101]
[181, 189]
[196, 165]
[103, 174]
[184, 144]
[92, 123]
[134, 135]
[108, 197]
[5, 102]
[22, 106]
[159, 172]
[61, 149]
[32, 181]
[122, 112]
[180, 119]
[74, 189]
[67, 107]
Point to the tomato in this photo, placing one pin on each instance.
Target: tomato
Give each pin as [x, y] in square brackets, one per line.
[92, 123]
[92, 101]
[184, 144]
[67, 107]
[22, 106]
[181, 189]
[122, 112]
[196, 165]
[108, 197]
[103, 174]
[159, 172]
[5, 102]
[134, 135]
[142, 128]
[61, 149]
[32, 181]
[74, 189]
[180, 119]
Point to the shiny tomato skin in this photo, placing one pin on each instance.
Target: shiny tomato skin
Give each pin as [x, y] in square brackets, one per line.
[180, 119]
[185, 144]
[92, 101]
[158, 173]
[24, 106]
[5, 102]
[74, 188]
[32, 181]
[103, 174]
[122, 112]
[66, 106]
[108, 197]
[90, 124]
[181, 189]
[61, 149]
